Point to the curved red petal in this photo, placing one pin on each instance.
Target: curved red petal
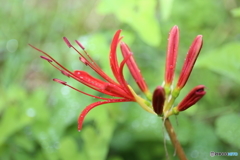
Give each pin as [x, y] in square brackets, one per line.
[86, 78]
[133, 68]
[113, 55]
[93, 105]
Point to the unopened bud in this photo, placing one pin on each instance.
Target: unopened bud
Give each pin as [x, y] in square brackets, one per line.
[192, 97]
[158, 100]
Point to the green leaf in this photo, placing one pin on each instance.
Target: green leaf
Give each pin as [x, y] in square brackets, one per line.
[69, 150]
[166, 8]
[228, 129]
[96, 141]
[12, 121]
[184, 134]
[25, 142]
[224, 61]
[236, 12]
[203, 140]
[140, 15]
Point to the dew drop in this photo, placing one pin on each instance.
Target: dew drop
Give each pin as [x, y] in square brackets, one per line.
[194, 154]
[31, 112]
[12, 45]
[65, 90]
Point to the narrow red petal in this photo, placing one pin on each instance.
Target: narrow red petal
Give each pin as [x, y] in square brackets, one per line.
[88, 79]
[122, 80]
[101, 86]
[190, 61]
[171, 58]
[113, 55]
[93, 105]
[118, 91]
[133, 68]
[87, 93]
[192, 97]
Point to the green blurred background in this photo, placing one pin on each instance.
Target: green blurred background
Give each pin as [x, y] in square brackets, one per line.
[38, 118]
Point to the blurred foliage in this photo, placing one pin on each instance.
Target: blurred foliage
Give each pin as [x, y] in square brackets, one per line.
[38, 118]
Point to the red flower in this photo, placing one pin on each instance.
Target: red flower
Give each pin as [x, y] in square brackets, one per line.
[118, 89]
[163, 98]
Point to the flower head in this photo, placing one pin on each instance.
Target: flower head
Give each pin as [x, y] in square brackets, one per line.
[118, 89]
[160, 103]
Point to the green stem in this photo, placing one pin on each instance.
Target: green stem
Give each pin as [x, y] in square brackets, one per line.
[180, 153]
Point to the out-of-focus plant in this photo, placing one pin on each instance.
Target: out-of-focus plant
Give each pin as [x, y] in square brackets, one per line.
[161, 103]
[47, 114]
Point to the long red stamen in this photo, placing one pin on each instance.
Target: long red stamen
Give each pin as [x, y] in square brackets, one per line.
[80, 45]
[87, 80]
[47, 59]
[65, 83]
[87, 60]
[67, 42]
[59, 81]
[51, 59]
[65, 73]
[83, 60]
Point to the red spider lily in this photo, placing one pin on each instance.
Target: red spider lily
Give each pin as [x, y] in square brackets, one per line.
[115, 88]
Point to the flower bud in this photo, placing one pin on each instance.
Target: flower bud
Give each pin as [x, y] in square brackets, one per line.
[158, 100]
[190, 61]
[192, 97]
[171, 58]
